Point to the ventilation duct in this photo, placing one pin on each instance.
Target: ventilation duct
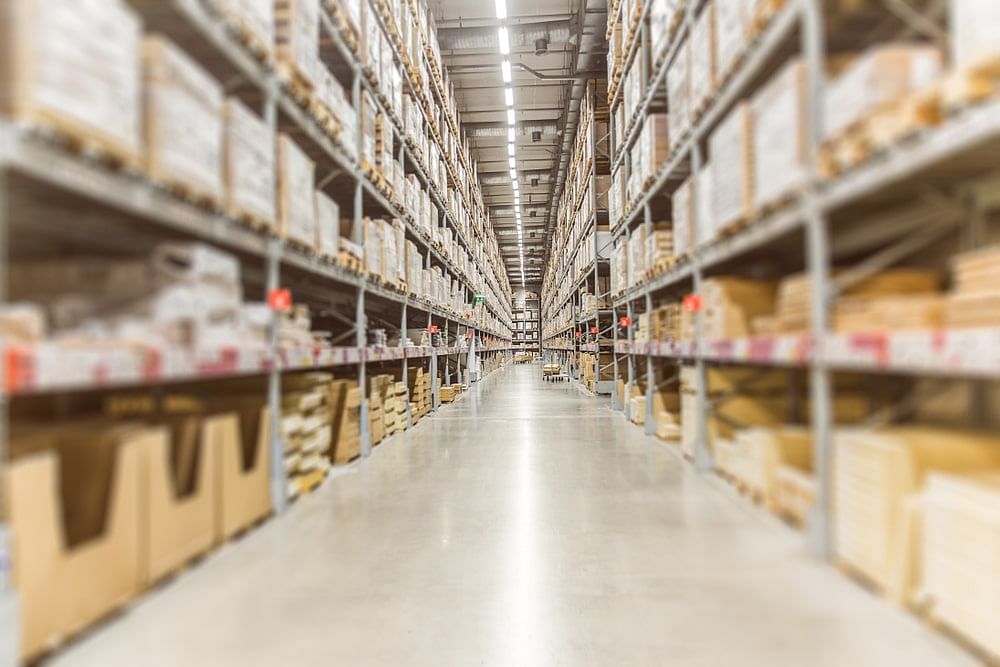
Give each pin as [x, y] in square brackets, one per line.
[523, 36]
[522, 130]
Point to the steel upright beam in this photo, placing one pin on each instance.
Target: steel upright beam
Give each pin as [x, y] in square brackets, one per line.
[650, 423]
[626, 399]
[702, 450]
[820, 525]
[279, 486]
[616, 400]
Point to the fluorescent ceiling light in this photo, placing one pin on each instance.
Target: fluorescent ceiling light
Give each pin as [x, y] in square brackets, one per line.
[505, 70]
[513, 175]
[510, 134]
[513, 162]
[510, 150]
[515, 185]
[501, 9]
[510, 117]
[508, 96]
[504, 40]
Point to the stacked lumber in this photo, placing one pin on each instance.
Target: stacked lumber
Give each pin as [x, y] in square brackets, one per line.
[420, 392]
[448, 393]
[900, 312]
[394, 408]
[731, 304]
[306, 430]
[877, 477]
[975, 298]
[761, 451]
[889, 289]
[960, 546]
[345, 406]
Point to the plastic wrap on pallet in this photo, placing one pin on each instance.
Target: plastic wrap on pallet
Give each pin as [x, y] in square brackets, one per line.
[974, 28]
[183, 120]
[779, 131]
[662, 14]
[296, 27]
[878, 76]
[683, 212]
[732, 22]
[373, 246]
[704, 187]
[254, 17]
[327, 225]
[390, 254]
[732, 170]
[703, 70]
[248, 164]
[369, 116]
[371, 34]
[679, 93]
[636, 255]
[296, 208]
[75, 66]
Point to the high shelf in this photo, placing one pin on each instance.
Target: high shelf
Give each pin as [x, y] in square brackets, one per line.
[65, 194]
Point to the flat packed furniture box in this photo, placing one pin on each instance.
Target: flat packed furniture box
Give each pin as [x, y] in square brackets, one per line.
[876, 478]
[183, 121]
[766, 450]
[960, 547]
[75, 507]
[296, 26]
[242, 437]
[778, 116]
[181, 488]
[75, 67]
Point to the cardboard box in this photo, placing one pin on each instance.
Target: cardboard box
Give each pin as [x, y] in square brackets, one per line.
[248, 165]
[183, 121]
[75, 518]
[242, 446]
[683, 210]
[327, 226]
[296, 204]
[779, 135]
[732, 171]
[75, 66]
[182, 484]
[679, 94]
[703, 70]
[732, 23]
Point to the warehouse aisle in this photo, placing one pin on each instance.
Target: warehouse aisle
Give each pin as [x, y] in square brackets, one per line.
[525, 525]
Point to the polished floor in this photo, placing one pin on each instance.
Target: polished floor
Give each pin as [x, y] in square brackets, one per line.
[527, 524]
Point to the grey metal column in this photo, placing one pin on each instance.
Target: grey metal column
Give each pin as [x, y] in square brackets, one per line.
[9, 617]
[279, 486]
[406, 363]
[616, 400]
[820, 525]
[626, 399]
[702, 448]
[650, 422]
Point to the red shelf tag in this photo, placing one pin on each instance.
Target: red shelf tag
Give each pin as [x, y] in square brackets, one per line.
[593, 330]
[432, 329]
[280, 300]
[692, 303]
[625, 321]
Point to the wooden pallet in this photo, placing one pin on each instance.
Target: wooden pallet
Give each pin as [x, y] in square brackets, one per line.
[350, 262]
[295, 84]
[74, 137]
[325, 119]
[253, 221]
[342, 23]
[192, 195]
[241, 31]
[971, 85]
[299, 244]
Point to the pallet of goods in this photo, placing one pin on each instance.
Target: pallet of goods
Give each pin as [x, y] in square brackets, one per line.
[878, 475]
[959, 543]
[345, 406]
[74, 70]
[306, 430]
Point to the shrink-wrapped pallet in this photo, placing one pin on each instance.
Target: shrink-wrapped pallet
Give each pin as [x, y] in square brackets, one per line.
[369, 121]
[703, 57]
[960, 548]
[636, 265]
[654, 145]
[327, 226]
[255, 20]
[877, 476]
[732, 22]
[779, 135]
[679, 94]
[881, 75]
[703, 229]
[619, 263]
[659, 247]
[683, 218]
[296, 207]
[248, 165]
[183, 121]
[414, 269]
[75, 67]
[296, 31]
[373, 246]
[390, 254]
[732, 170]
[974, 26]
[663, 15]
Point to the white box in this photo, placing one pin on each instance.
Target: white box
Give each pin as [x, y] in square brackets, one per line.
[975, 25]
[248, 164]
[732, 169]
[296, 206]
[703, 57]
[679, 94]
[327, 226]
[779, 135]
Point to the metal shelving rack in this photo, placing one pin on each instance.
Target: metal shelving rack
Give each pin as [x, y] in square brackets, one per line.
[527, 327]
[963, 148]
[133, 213]
[589, 330]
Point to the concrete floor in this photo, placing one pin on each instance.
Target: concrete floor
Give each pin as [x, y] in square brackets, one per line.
[525, 525]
